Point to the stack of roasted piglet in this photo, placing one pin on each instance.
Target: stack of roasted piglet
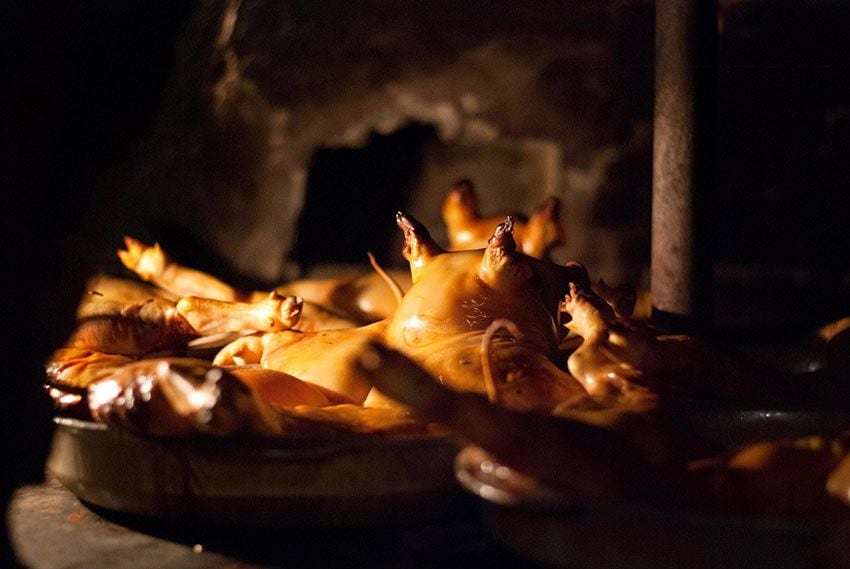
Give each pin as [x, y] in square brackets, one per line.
[488, 339]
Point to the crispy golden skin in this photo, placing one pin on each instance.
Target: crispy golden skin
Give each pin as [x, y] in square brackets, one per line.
[129, 328]
[445, 322]
[456, 297]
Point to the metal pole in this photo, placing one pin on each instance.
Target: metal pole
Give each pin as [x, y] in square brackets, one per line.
[683, 162]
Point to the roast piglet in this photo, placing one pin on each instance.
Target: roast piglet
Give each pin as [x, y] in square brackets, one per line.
[341, 302]
[466, 228]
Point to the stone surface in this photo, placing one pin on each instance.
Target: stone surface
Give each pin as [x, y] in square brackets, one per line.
[51, 529]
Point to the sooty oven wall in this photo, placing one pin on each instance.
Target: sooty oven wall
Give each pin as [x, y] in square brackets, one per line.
[288, 133]
[264, 94]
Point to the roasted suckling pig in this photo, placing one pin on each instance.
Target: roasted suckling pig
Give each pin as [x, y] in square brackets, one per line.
[446, 321]
[531, 359]
[536, 235]
[328, 303]
[595, 458]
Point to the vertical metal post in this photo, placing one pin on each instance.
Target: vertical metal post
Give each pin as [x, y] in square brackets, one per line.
[683, 162]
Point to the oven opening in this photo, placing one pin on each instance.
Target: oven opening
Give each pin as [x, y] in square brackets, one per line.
[352, 195]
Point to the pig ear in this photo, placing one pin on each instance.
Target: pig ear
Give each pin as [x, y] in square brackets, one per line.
[419, 247]
[463, 192]
[550, 212]
[501, 265]
[503, 236]
[551, 208]
[544, 231]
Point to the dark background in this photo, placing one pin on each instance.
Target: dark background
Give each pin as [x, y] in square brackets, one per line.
[83, 83]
